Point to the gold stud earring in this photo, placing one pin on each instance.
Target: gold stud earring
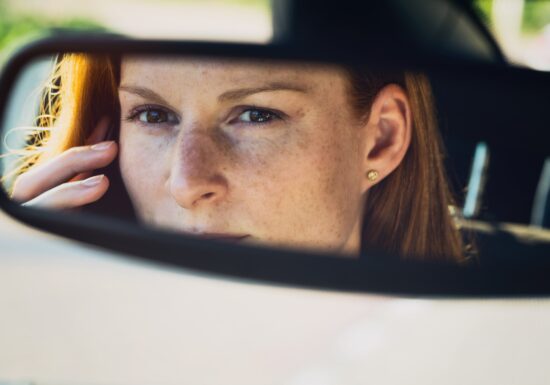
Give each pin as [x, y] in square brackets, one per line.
[372, 175]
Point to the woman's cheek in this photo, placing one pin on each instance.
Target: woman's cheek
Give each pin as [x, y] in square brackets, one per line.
[284, 194]
[141, 166]
[326, 183]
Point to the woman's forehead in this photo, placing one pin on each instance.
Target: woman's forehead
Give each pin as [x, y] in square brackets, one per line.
[140, 67]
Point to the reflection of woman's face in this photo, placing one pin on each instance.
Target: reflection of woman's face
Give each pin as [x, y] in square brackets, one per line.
[267, 151]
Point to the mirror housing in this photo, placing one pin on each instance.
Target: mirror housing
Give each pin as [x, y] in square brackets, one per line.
[380, 274]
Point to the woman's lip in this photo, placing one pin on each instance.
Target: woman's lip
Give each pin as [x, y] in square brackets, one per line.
[221, 236]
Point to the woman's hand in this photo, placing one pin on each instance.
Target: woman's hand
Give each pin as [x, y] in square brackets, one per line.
[64, 181]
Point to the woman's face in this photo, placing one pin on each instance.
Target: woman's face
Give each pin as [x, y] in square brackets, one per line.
[263, 153]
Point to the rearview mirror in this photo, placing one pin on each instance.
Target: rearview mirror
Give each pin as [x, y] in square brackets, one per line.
[262, 158]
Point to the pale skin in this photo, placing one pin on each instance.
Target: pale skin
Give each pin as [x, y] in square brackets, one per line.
[261, 153]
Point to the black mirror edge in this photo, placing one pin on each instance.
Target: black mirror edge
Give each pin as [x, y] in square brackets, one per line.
[344, 53]
[373, 274]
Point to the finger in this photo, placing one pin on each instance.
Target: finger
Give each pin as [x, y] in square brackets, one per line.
[62, 168]
[99, 133]
[72, 194]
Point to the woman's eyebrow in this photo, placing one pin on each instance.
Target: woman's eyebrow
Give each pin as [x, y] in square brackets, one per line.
[145, 93]
[239, 93]
[244, 92]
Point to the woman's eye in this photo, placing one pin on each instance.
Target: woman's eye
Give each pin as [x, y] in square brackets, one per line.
[257, 116]
[155, 116]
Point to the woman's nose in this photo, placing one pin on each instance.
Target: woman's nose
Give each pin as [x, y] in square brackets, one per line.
[195, 178]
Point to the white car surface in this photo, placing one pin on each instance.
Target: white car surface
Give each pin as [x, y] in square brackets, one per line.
[73, 314]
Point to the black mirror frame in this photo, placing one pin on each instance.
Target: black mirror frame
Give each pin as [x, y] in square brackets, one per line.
[255, 264]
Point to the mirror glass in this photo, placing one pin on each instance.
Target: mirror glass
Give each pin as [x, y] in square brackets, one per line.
[318, 157]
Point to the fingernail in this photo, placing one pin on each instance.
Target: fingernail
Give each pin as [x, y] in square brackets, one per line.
[101, 146]
[93, 181]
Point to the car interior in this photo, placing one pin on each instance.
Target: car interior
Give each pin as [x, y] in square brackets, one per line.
[511, 186]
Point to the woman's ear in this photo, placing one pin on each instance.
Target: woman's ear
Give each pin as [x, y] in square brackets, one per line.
[388, 134]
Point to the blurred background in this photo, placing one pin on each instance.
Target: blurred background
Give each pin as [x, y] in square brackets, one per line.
[522, 27]
[230, 20]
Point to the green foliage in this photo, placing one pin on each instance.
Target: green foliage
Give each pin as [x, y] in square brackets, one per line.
[14, 27]
[536, 14]
[483, 10]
